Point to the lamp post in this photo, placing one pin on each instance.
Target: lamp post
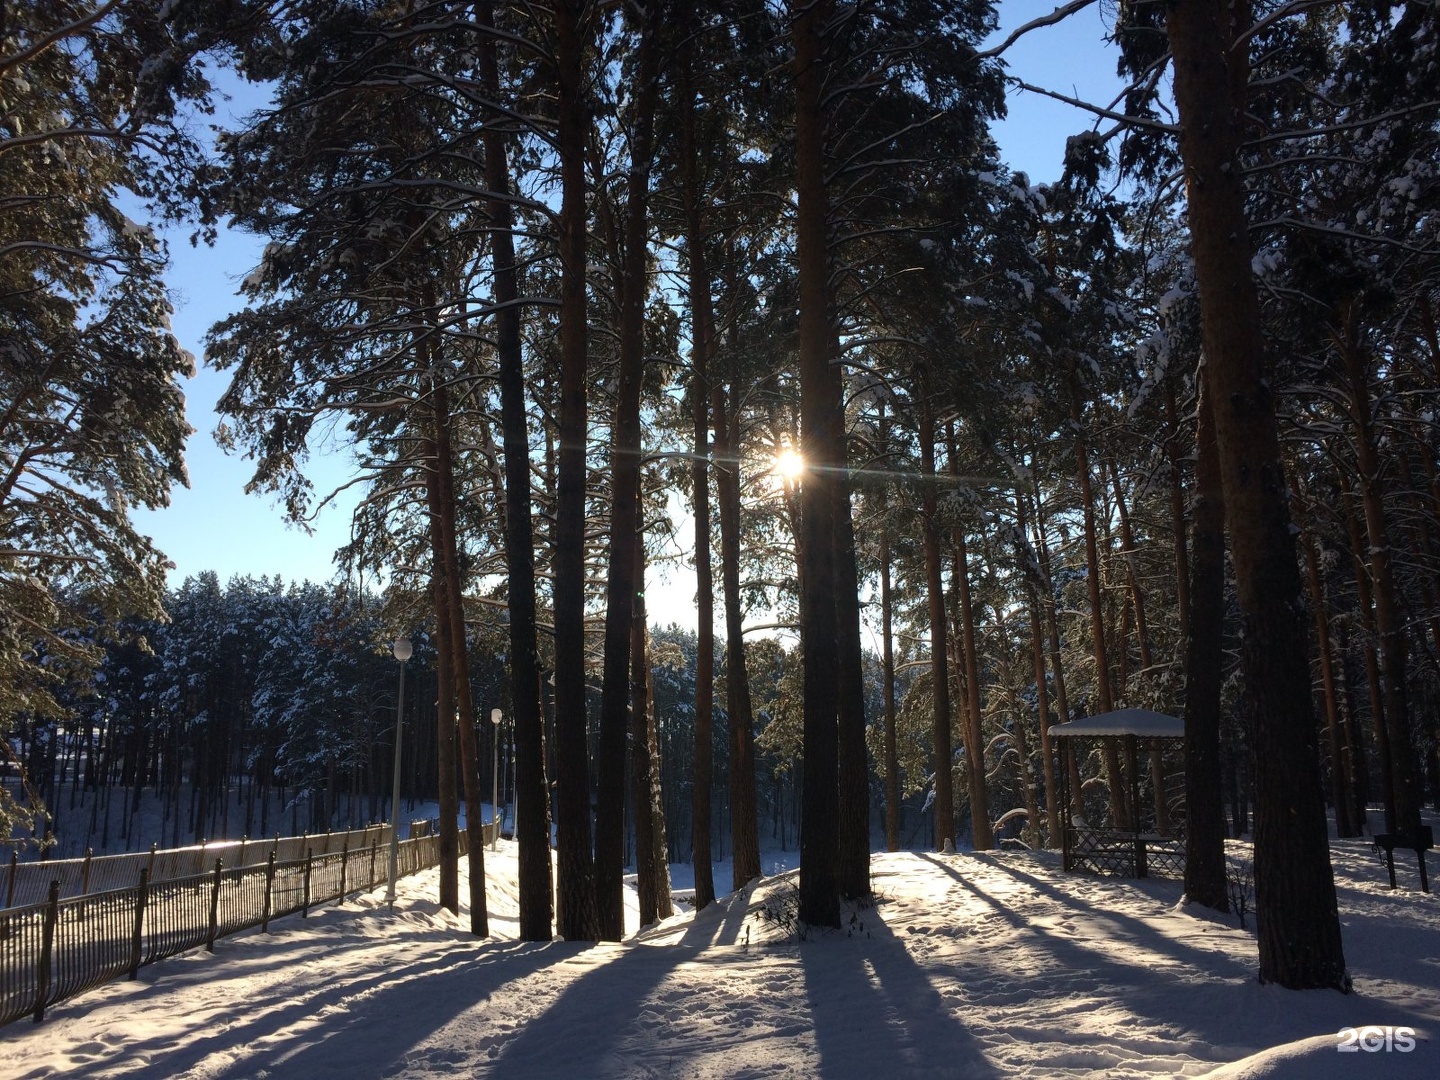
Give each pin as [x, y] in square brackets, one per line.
[495, 780]
[402, 649]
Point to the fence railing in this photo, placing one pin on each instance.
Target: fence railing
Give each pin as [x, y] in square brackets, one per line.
[29, 882]
[53, 950]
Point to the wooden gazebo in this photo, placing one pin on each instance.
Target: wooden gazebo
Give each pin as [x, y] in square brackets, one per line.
[1137, 848]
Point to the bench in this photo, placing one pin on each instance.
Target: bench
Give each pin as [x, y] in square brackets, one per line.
[1419, 843]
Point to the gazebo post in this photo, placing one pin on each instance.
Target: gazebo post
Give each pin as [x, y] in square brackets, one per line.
[1066, 818]
[1132, 765]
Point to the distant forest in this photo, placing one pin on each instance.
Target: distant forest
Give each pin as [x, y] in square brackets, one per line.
[258, 695]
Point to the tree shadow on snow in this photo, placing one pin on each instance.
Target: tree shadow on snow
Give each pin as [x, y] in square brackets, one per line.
[586, 1023]
[353, 1027]
[870, 1001]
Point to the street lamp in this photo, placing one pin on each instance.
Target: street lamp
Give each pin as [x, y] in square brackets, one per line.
[403, 651]
[495, 780]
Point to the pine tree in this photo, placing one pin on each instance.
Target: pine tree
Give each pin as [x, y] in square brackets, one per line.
[92, 419]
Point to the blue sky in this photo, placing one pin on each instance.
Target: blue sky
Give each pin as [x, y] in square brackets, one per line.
[214, 525]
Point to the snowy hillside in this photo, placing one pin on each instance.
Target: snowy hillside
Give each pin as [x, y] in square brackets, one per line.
[970, 966]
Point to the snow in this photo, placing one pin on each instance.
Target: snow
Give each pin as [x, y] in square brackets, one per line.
[1143, 722]
[971, 965]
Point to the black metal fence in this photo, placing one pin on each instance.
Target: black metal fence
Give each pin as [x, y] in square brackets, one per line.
[29, 882]
[55, 949]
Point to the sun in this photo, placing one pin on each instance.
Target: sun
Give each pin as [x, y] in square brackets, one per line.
[789, 465]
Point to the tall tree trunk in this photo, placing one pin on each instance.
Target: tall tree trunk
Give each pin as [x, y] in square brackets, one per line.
[532, 798]
[575, 900]
[980, 827]
[1052, 631]
[444, 662]
[853, 755]
[442, 510]
[625, 498]
[449, 809]
[1406, 796]
[1174, 458]
[1137, 595]
[1296, 914]
[702, 350]
[942, 748]
[652, 877]
[887, 660]
[1142, 637]
[820, 414]
[1030, 570]
[1424, 553]
[1364, 601]
[1339, 774]
[1020, 736]
[1205, 881]
[1354, 733]
[744, 823]
[1114, 778]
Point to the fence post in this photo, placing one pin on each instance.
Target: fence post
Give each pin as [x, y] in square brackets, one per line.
[10, 889]
[344, 861]
[85, 871]
[141, 901]
[305, 907]
[151, 864]
[269, 887]
[240, 859]
[374, 842]
[214, 908]
[47, 946]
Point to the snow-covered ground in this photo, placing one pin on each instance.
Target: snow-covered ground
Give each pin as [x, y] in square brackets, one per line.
[972, 965]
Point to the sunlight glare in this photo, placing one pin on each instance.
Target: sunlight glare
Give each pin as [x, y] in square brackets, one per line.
[789, 465]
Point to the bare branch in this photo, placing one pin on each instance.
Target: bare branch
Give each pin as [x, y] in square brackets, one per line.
[1058, 15]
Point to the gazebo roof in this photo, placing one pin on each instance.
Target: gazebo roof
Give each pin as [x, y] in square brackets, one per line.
[1139, 722]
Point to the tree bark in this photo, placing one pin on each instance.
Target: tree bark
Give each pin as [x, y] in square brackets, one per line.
[1354, 733]
[1052, 631]
[1177, 511]
[744, 824]
[1297, 919]
[625, 499]
[532, 798]
[981, 831]
[819, 416]
[652, 878]
[1364, 601]
[1114, 778]
[1406, 791]
[1142, 637]
[448, 548]
[1339, 774]
[577, 917]
[1424, 552]
[702, 350]
[853, 755]
[1030, 570]
[942, 748]
[1205, 881]
[887, 660]
[449, 809]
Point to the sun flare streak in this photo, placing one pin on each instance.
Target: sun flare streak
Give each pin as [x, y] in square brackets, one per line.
[789, 465]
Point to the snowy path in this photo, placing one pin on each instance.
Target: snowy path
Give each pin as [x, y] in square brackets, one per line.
[971, 966]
